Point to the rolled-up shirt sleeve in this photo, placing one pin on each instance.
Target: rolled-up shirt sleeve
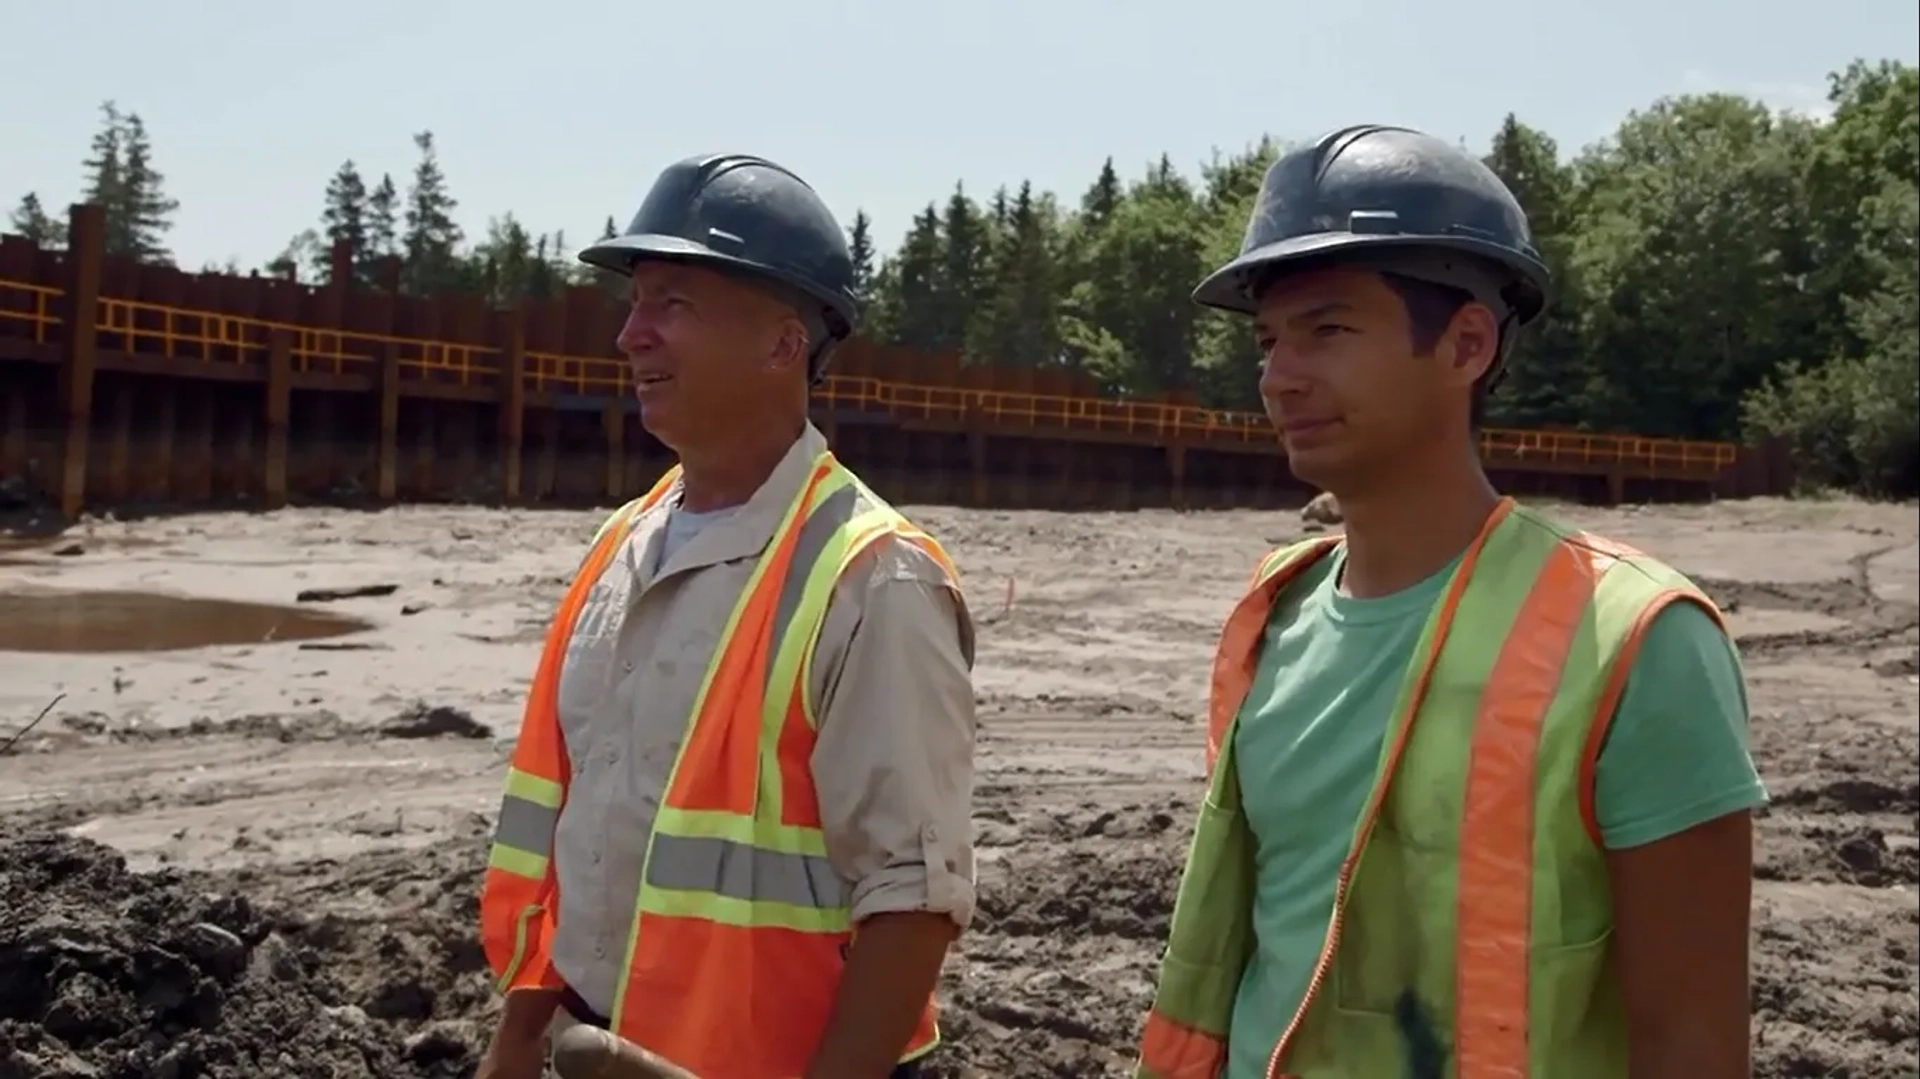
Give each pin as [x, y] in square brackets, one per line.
[893, 763]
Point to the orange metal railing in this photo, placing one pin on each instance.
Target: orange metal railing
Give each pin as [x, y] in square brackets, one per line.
[32, 305]
[214, 337]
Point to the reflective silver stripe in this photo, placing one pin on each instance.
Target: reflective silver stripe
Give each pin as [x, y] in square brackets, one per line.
[833, 513]
[738, 871]
[526, 826]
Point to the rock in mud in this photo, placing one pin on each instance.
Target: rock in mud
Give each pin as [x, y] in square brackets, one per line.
[1324, 510]
[113, 974]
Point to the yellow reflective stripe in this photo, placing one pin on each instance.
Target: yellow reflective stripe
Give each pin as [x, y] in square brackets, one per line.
[719, 824]
[1274, 561]
[739, 912]
[521, 863]
[519, 957]
[532, 788]
[856, 538]
[791, 669]
[800, 502]
[726, 869]
[523, 833]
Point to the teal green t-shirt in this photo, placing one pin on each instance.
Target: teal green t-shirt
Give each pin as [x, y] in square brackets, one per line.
[1309, 739]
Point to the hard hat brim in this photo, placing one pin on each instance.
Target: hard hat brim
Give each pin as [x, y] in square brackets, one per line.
[619, 254]
[1226, 289]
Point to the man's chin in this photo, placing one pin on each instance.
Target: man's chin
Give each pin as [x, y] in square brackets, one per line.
[657, 420]
[1319, 467]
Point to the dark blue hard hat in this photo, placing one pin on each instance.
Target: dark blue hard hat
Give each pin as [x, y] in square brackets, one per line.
[745, 215]
[1393, 199]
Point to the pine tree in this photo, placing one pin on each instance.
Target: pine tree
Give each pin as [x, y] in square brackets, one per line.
[304, 250]
[31, 220]
[344, 217]
[106, 184]
[146, 210]
[860, 246]
[432, 238]
[122, 179]
[383, 220]
[1103, 198]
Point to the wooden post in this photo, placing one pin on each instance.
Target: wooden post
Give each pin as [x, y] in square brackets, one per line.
[977, 460]
[425, 468]
[120, 449]
[279, 414]
[205, 415]
[13, 430]
[513, 402]
[1616, 486]
[547, 469]
[80, 312]
[387, 470]
[165, 430]
[1177, 466]
[613, 422]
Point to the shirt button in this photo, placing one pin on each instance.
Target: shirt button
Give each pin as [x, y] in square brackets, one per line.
[599, 951]
[628, 665]
[595, 856]
[612, 755]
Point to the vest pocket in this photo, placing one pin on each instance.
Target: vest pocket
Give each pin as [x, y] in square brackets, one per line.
[1572, 990]
[1210, 894]
[1398, 928]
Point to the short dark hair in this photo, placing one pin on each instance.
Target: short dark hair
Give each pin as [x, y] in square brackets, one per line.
[1430, 310]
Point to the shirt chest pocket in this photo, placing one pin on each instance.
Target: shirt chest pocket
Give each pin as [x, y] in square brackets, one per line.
[590, 669]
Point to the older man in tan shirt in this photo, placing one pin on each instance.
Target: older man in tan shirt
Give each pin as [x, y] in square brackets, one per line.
[738, 291]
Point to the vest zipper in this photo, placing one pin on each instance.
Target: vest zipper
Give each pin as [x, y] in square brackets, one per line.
[1320, 967]
[1344, 880]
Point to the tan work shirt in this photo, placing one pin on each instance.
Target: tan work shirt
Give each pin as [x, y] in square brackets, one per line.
[891, 686]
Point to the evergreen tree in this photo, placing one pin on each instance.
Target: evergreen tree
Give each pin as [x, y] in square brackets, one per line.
[105, 185]
[1103, 198]
[344, 218]
[146, 210]
[122, 180]
[32, 221]
[383, 220]
[432, 239]
[964, 274]
[860, 247]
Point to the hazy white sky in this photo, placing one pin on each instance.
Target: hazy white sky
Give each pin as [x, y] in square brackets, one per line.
[563, 111]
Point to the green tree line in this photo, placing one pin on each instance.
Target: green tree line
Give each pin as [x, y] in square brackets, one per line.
[1723, 270]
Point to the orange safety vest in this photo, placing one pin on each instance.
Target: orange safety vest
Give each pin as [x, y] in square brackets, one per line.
[1476, 883]
[741, 925]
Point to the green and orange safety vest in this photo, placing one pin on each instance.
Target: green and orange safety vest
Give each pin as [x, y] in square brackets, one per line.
[739, 930]
[1475, 884]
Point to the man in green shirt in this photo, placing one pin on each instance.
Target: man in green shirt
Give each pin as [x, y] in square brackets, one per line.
[1387, 274]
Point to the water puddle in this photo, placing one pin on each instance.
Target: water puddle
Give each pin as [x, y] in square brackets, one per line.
[91, 622]
[48, 550]
[16, 551]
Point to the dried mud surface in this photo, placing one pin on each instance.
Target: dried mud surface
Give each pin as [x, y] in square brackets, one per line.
[261, 858]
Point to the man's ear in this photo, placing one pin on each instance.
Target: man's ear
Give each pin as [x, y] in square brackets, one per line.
[789, 351]
[1471, 345]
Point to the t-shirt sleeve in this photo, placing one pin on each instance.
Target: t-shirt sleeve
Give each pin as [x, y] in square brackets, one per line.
[1677, 754]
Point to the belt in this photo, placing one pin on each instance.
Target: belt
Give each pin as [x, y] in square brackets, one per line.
[576, 1006]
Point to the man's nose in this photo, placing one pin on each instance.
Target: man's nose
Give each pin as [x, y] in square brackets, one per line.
[638, 333]
[1281, 373]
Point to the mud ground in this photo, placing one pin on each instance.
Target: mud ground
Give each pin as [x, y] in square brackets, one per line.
[260, 857]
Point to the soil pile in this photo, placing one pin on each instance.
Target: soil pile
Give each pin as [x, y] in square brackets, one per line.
[114, 974]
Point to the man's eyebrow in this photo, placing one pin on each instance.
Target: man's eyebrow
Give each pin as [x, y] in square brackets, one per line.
[1320, 311]
[1311, 314]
